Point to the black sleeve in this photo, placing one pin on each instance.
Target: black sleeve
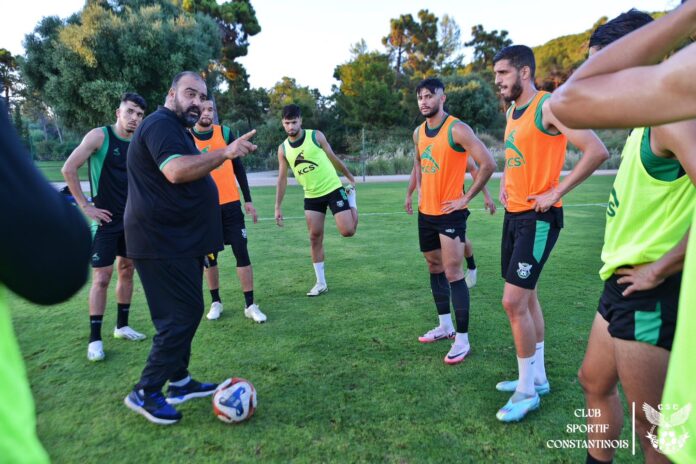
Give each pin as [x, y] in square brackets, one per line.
[44, 240]
[240, 174]
[239, 171]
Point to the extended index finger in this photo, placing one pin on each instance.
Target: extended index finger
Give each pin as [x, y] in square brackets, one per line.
[248, 135]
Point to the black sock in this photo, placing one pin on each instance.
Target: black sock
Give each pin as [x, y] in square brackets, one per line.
[460, 302]
[470, 262]
[216, 295]
[592, 460]
[441, 292]
[249, 298]
[122, 317]
[95, 323]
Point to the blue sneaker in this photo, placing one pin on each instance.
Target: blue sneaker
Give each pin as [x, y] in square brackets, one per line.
[511, 385]
[514, 412]
[193, 389]
[153, 407]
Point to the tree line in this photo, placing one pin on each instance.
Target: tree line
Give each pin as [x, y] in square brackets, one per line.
[74, 70]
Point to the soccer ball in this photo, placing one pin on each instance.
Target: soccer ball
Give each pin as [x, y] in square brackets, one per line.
[234, 400]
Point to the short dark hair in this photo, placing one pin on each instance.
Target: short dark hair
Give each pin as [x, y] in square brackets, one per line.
[135, 98]
[182, 74]
[432, 84]
[618, 27]
[519, 57]
[291, 112]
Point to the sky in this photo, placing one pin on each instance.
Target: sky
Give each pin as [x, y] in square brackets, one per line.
[307, 39]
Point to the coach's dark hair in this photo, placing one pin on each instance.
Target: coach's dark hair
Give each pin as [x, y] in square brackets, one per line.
[432, 84]
[182, 74]
[135, 98]
[519, 57]
[291, 112]
[618, 27]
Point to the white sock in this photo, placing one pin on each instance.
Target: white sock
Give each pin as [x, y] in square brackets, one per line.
[461, 339]
[319, 271]
[182, 382]
[539, 369]
[352, 199]
[526, 383]
[446, 322]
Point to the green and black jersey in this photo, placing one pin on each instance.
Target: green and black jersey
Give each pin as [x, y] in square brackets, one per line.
[108, 179]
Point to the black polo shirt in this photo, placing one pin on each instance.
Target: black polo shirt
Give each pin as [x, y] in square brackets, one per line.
[165, 220]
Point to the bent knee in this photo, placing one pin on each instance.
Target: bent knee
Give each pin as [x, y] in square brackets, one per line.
[101, 279]
[513, 306]
[126, 272]
[592, 385]
[454, 274]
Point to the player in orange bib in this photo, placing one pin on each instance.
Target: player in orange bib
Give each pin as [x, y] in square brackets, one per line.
[443, 144]
[208, 137]
[530, 191]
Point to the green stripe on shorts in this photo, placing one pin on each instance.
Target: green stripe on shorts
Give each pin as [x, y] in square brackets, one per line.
[647, 325]
[540, 238]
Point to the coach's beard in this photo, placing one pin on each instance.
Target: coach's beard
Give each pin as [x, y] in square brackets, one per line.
[189, 118]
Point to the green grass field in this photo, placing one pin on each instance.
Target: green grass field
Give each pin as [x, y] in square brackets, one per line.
[51, 169]
[342, 377]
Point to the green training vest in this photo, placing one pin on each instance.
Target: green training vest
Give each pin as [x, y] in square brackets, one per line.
[311, 166]
[681, 376]
[18, 441]
[646, 217]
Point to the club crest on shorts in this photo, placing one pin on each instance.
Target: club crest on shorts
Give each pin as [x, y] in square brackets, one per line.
[670, 418]
[95, 258]
[524, 270]
[244, 236]
[340, 203]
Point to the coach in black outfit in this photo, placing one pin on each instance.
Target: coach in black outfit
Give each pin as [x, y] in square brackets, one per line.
[172, 221]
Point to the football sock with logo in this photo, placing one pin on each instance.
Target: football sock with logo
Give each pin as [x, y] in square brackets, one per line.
[319, 271]
[95, 323]
[539, 369]
[460, 303]
[441, 294]
[123, 310]
[249, 298]
[352, 199]
[471, 262]
[593, 460]
[525, 386]
[215, 294]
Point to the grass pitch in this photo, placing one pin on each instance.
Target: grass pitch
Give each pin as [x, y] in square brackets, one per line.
[341, 377]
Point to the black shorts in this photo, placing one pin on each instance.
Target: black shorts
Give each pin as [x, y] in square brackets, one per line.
[527, 241]
[109, 241]
[233, 233]
[648, 316]
[430, 228]
[336, 200]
